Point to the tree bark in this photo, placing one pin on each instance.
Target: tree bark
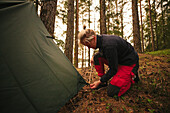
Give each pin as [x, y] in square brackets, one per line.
[76, 35]
[103, 29]
[121, 13]
[163, 24]
[47, 14]
[141, 26]
[36, 6]
[151, 28]
[155, 17]
[85, 56]
[136, 28]
[108, 17]
[116, 2]
[82, 53]
[89, 27]
[70, 31]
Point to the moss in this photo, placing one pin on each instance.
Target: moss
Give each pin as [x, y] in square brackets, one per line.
[160, 52]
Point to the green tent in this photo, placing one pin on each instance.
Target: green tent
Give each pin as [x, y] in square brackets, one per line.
[35, 76]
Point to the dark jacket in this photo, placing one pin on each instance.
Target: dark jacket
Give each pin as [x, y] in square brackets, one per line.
[116, 51]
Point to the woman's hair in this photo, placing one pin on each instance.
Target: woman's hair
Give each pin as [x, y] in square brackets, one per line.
[86, 35]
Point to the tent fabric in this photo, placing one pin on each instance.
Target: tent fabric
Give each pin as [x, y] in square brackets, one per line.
[10, 1]
[35, 76]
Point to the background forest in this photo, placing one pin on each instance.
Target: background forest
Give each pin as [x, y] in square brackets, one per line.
[147, 30]
[150, 23]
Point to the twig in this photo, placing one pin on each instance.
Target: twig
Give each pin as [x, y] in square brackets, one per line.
[90, 77]
[72, 103]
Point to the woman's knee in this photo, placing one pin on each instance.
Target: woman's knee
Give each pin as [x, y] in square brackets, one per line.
[96, 58]
[112, 90]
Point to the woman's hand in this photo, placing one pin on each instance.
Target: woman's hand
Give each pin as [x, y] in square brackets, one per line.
[95, 84]
[92, 61]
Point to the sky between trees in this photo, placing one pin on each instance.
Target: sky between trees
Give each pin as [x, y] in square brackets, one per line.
[95, 15]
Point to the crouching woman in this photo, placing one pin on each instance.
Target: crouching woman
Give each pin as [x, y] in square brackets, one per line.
[118, 54]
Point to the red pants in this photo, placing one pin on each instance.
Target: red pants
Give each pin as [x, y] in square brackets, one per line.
[123, 77]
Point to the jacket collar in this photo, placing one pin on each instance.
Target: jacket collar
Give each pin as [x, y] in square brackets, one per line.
[99, 41]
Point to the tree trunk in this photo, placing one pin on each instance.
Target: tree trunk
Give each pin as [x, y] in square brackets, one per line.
[163, 24]
[141, 26]
[47, 14]
[85, 56]
[155, 17]
[76, 35]
[89, 28]
[82, 53]
[108, 18]
[102, 17]
[116, 2]
[149, 44]
[36, 6]
[152, 35]
[121, 13]
[136, 28]
[70, 31]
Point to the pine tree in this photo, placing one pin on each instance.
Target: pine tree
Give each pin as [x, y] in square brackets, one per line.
[136, 28]
[48, 13]
[151, 28]
[89, 4]
[103, 29]
[70, 31]
[76, 35]
[141, 26]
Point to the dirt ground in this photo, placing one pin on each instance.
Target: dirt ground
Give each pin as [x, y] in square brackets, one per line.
[150, 95]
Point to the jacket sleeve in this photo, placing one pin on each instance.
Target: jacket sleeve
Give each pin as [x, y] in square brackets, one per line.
[112, 58]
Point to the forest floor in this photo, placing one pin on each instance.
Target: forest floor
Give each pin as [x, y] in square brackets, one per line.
[150, 95]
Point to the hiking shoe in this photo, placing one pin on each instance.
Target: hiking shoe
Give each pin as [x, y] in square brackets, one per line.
[136, 79]
[101, 85]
